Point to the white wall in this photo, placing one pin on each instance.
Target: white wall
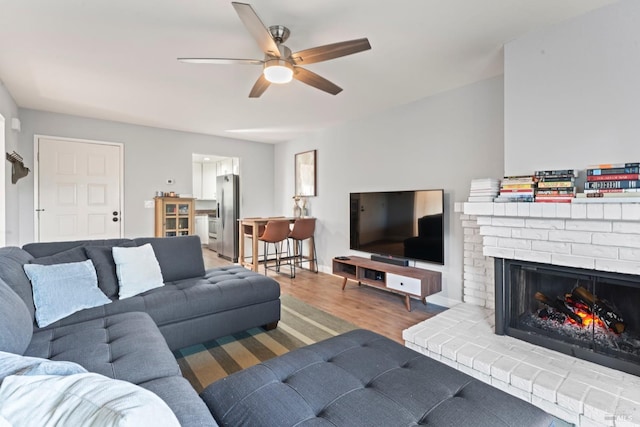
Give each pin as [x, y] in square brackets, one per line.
[440, 142]
[9, 192]
[151, 155]
[572, 92]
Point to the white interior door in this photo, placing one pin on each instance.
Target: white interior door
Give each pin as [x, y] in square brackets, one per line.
[78, 190]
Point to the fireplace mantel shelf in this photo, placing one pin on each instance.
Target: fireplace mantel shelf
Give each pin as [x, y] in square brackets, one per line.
[594, 211]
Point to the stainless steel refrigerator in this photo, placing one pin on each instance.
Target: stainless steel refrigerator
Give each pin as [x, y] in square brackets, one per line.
[227, 192]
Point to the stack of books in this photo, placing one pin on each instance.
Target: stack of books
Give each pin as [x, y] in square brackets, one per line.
[556, 186]
[517, 189]
[612, 181]
[484, 189]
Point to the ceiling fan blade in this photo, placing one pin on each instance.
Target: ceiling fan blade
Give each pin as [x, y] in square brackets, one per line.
[221, 61]
[312, 79]
[259, 87]
[257, 29]
[330, 51]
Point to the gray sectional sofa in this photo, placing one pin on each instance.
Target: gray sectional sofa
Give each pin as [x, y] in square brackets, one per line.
[355, 379]
[132, 339]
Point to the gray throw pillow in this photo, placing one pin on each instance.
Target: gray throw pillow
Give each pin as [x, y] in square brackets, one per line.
[76, 254]
[16, 321]
[102, 258]
[11, 261]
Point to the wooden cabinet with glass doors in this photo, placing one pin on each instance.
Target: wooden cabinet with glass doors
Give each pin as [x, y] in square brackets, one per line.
[174, 216]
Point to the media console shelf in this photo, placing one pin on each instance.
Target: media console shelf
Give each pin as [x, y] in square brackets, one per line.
[407, 281]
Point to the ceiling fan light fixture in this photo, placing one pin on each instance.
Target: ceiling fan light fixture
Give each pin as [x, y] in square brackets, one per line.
[278, 71]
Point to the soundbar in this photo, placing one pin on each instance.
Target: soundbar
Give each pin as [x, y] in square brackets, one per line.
[403, 262]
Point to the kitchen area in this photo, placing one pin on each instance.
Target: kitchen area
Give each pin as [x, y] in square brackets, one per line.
[216, 190]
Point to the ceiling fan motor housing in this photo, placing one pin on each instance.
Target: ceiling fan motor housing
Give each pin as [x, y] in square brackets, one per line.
[280, 33]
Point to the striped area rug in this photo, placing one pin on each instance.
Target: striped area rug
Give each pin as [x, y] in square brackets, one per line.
[300, 324]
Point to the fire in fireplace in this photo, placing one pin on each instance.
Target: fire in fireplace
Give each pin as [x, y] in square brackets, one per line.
[589, 314]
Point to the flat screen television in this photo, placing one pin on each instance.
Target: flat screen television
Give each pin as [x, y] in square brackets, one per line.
[407, 224]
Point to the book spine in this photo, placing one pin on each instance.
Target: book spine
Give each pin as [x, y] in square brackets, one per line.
[559, 184]
[565, 172]
[601, 195]
[613, 171]
[515, 186]
[595, 185]
[614, 165]
[520, 177]
[517, 190]
[611, 190]
[556, 192]
[557, 178]
[554, 200]
[613, 177]
[516, 181]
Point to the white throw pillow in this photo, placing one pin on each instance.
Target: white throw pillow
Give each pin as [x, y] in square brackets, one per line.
[81, 400]
[137, 269]
[60, 290]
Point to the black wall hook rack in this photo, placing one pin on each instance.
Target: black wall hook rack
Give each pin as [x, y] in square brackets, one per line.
[18, 169]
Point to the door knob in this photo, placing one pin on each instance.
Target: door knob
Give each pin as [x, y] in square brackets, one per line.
[115, 213]
[115, 219]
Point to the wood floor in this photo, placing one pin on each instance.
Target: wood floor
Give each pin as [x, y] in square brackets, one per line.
[364, 306]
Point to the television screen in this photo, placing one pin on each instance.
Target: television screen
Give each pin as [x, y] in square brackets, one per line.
[407, 224]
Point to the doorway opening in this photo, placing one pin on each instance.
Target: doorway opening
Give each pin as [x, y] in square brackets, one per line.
[217, 205]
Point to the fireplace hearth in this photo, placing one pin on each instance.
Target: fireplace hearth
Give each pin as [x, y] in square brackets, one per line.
[588, 314]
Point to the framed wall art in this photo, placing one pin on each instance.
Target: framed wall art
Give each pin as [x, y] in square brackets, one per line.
[305, 171]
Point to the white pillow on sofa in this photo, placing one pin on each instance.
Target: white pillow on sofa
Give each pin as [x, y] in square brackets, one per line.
[137, 269]
[60, 290]
[81, 399]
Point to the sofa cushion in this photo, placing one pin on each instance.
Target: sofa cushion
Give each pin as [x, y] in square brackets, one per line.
[76, 254]
[81, 399]
[62, 289]
[362, 378]
[16, 323]
[179, 257]
[219, 289]
[102, 258]
[125, 346]
[137, 269]
[11, 261]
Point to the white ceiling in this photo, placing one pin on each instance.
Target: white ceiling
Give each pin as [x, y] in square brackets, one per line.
[116, 59]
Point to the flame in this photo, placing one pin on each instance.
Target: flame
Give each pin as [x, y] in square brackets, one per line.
[588, 318]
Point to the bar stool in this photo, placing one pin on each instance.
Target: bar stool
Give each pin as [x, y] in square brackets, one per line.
[276, 232]
[303, 229]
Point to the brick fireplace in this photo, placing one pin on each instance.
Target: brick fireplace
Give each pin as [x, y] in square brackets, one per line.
[603, 237]
[589, 314]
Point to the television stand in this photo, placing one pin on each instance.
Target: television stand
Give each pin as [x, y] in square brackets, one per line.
[407, 281]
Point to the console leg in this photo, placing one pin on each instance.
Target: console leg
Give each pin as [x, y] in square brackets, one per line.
[407, 302]
[344, 283]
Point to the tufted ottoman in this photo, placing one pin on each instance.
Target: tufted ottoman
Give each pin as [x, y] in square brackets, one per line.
[362, 379]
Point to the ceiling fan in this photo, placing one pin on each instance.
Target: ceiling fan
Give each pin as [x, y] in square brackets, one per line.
[279, 64]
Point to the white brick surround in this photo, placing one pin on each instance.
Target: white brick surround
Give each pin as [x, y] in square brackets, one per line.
[574, 390]
[599, 236]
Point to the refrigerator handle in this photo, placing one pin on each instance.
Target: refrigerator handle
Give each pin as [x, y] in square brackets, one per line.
[223, 213]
